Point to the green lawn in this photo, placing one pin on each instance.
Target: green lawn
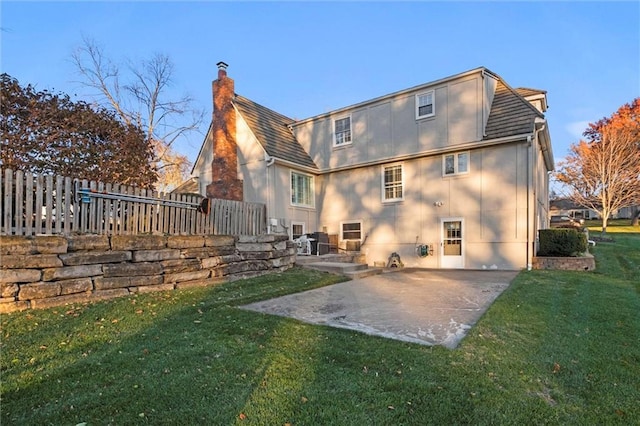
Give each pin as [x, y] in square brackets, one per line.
[555, 348]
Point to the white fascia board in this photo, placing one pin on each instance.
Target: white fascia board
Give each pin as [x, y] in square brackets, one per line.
[204, 142]
[394, 94]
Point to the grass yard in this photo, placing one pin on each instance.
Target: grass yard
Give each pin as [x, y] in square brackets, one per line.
[555, 348]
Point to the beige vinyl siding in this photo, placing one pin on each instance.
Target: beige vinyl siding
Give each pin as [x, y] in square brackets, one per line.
[388, 128]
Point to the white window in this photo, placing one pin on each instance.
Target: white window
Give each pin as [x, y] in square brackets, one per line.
[454, 164]
[302, 190]
[425, 105]
[297, 229]
[351, 230]
[392, 183]
[342, 131]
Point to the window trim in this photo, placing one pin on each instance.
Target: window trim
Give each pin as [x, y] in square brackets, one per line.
[334, 133]
[433, 104]
[294, 223]
[344, 222]
[313, 189]
[456, 156]
[383, 183]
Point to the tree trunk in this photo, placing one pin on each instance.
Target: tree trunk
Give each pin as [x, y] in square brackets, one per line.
[605, 219]
[636, 217]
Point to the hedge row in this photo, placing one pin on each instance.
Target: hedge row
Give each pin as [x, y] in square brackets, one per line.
[562, 242]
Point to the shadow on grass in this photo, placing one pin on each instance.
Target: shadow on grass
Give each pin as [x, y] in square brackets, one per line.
[556, 347]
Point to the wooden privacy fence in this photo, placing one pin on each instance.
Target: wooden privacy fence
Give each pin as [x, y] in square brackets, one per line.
[59, 205]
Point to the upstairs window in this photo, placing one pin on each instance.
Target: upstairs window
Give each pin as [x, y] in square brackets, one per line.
[302, 190]
[342, 131]
[455, 164]
[392, 183]
[425, 105]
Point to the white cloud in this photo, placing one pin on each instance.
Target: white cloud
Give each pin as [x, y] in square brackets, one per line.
[576, 128]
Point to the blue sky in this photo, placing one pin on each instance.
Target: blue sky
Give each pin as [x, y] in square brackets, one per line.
[305, 58]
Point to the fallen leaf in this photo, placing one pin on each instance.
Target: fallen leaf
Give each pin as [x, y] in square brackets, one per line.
[242, 416]
[304, 400]
[391, 407]
[556, 367]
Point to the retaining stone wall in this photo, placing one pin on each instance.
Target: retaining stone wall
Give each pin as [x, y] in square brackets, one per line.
[43, 271]
[586, 263]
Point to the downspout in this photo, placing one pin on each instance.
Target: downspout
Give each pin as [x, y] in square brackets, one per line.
[529, 225]
[268, 161]
[532, 204]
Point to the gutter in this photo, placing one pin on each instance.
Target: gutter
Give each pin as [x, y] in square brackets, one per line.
[394, 94]
[428, 153]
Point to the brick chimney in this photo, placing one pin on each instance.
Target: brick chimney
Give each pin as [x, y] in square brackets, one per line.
[225, 183]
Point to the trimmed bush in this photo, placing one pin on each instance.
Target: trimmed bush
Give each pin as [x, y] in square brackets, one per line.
[561, 242]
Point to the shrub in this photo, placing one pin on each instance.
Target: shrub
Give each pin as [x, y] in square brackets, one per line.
[562, 242]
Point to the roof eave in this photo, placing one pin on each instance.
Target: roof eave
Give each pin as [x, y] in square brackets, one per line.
[394, 94]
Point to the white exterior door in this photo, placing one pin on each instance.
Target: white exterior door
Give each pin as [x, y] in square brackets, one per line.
[452, 243]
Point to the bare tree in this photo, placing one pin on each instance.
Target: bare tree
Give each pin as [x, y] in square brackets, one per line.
[603, 172]
[142, 101]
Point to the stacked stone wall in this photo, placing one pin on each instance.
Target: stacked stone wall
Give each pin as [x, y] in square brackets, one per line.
[43, 271]
[586, 263]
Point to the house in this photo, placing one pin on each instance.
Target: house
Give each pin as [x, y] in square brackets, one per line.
[566, 207]
[448, 174]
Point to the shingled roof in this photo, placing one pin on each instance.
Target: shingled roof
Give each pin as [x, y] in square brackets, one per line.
[272, 131]
[510, 114]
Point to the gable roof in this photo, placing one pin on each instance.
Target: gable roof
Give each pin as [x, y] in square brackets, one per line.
[510, 113]
[272, 132]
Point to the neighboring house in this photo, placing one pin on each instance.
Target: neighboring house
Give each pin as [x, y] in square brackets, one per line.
[189, 186]
[459, 165]
[566, 207]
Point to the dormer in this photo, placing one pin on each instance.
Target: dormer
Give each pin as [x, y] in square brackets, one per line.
[537, 98]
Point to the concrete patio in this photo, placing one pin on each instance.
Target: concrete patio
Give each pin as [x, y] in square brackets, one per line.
[430, 307]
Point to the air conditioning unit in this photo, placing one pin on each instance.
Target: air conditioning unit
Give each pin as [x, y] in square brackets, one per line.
[353, 245]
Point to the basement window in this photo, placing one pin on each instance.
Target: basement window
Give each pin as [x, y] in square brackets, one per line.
[351, 231]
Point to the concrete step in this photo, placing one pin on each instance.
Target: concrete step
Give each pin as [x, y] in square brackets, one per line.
[351, 270]
[354, 275]
[336, 267]
[341, 258]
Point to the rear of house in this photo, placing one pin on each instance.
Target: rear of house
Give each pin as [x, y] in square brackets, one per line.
[448, 174]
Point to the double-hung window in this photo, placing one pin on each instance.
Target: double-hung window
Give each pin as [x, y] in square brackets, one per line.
[392, 183]
[342, 131]
[425, 105]
[302, 189]
[455, 164]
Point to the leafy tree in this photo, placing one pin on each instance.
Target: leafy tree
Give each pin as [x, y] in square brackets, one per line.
[143, 101]
[43, 132]
[603, 171]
